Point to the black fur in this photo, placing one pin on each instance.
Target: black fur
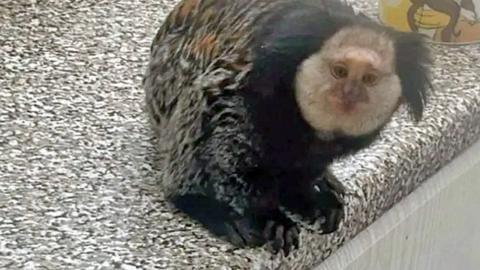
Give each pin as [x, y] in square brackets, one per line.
[413, 61]
[280, 47]
[254, 154]
[279, 50]
[290, 150]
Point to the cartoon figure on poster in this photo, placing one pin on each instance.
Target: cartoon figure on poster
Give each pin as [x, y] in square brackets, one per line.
[453, 21]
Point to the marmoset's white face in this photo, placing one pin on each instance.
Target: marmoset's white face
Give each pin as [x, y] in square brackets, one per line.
[350, 85]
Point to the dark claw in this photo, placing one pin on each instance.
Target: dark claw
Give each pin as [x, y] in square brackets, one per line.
[330, 202]
[332, 183]
[268, 231]
[291, 238]
[254, 229]
[245, 233]
[320, 208]
[221, 220]
[278, 241]
[333, 219]
[316, 206]
[234, 236]
[281, 235]
[319, 218]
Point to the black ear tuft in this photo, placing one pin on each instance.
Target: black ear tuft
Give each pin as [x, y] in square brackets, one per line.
[413, 63]
[289, 36]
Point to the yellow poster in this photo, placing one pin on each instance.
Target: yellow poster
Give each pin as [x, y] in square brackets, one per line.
[452, 21]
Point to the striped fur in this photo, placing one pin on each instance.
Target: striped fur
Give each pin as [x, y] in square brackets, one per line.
[212, 82]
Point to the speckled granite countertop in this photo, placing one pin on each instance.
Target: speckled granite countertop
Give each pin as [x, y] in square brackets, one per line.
[77, 162]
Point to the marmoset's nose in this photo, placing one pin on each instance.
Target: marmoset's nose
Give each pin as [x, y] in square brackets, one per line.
[352, 92]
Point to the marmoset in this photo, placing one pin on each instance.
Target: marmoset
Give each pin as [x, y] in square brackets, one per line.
[253, 99]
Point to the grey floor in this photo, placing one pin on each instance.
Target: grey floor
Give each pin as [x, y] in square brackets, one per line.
[78, 165]
[76, 190]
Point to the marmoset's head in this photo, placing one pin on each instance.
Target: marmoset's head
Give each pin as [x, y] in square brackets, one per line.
[353, 84]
